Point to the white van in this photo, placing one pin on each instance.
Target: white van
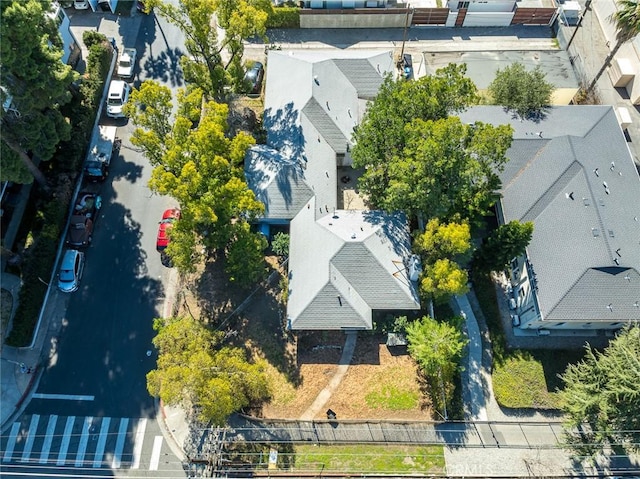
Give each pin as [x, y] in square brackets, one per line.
[117, 97]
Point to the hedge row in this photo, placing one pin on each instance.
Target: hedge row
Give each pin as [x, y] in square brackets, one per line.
[46, 226]
[284, 17]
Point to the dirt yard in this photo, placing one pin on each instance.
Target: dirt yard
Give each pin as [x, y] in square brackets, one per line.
[381, 382]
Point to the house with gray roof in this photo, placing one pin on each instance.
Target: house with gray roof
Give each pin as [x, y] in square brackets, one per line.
[573, 176]
[344, 263]
[313, 100]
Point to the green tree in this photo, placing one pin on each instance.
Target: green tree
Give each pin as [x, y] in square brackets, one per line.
[198, 165]
[508, 241]
[245, 256]
[38, 83]
[381, 136]
[601, 397]
[215, 62]
[447, 169]
[442, 279]
[626, 20]
[440, 240]
[437, 347]
[442, 247]
[195, 369]
[525, 92]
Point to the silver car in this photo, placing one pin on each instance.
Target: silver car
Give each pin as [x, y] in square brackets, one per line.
[71, 270]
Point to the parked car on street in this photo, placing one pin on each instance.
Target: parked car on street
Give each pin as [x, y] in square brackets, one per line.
[104, 145]
[85, 212]
[71, 270]
[168, 218]
[253, 78]
[126, 63]
[118, 95]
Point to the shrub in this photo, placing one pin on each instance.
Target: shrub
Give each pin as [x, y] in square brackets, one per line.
[284, 17]
[92, 37]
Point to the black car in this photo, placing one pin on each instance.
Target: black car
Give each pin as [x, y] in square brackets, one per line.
[253, 77]
[83, 218]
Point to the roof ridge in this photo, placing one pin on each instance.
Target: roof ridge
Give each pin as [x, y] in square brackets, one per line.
[543, 201]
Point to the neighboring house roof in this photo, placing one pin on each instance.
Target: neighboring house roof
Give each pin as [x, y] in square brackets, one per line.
[482, 66]
[313, 100]
[278, 181]
[344, 265]
[572, 174]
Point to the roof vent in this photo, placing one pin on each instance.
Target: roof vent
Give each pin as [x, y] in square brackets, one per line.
[569, 195]
[636, 304]
[595, 232]
[616, 261]
[613, 165]
[612, 234]
[618, 252]
[353, 236]
[610, 307]
[540, 134]
[601, 201]
[627, 277]
[596, 172]
[586, 201]
[315, 79]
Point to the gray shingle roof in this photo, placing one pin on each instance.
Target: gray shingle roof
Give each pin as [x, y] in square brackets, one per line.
[279, 182]
[313, 100]
[581, 189]
[344, 265]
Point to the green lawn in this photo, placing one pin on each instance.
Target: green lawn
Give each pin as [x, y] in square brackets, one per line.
[521, 379]
[363, 459]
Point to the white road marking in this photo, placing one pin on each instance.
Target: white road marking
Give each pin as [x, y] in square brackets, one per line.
[48, 438]
[84, 439]
[66, 437]
[155, 453]
[11, 443]
[64, 397]
[137, 444]
[31, 436]
[102, 441]
[122, 436]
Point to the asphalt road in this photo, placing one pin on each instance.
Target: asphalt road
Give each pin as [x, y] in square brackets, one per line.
[91, 409]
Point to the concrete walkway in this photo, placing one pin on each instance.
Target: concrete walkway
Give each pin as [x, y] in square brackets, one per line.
[324, 395]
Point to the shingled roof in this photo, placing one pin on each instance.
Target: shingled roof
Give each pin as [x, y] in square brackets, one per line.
[344, 265]
[572, 174]
[313, 100]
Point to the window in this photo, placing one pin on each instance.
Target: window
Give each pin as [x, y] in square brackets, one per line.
[463, 5]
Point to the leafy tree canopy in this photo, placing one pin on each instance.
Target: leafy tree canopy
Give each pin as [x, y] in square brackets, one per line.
[37, 81]
[197, 164]
[214, 62]
[502, 245]
[381, 136]
[447, 169]
[525, 92]
[194, 369]
[437, 347]
[442, 246]
[602, 397]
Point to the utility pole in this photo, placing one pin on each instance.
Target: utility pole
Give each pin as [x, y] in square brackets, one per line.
[587, 5]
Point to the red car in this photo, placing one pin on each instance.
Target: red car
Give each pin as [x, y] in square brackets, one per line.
[166, 224]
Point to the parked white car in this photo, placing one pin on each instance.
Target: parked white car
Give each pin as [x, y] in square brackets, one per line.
[118, 95]
[71, 270]
[81, 4]
[126, 63]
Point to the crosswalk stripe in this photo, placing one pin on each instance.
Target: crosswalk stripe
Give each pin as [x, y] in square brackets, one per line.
[48, 439]
[31, 436]
[155, 453]
[11, 443]
[102, 441]
[64, 447]
[137, 445]
[84, 439]
[122, 435]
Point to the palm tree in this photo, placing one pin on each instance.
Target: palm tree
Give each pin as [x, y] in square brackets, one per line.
[627, 22]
